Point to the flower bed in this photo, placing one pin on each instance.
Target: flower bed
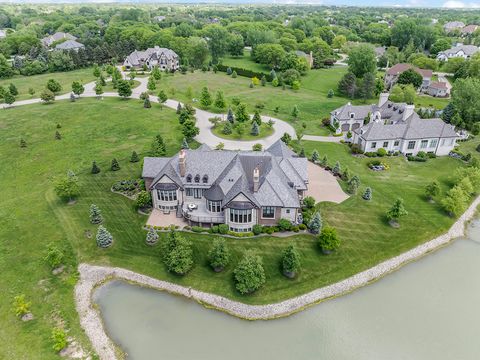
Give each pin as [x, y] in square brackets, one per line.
[129, 188]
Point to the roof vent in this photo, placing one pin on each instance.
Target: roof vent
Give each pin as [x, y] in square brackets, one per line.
[290, 184]
[389, 105]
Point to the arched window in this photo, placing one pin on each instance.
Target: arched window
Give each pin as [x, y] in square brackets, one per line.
[197, 178]
[189, 178]
[205, 179]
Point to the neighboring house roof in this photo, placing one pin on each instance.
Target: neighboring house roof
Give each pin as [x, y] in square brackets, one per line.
[439, 85]
[69, 45]
[379, 51]
[397, 69]
[344, 112]
[469, 29]
[466, 49]
[452, 25]
[3, 33]
[230, 173]
[159, 18]
[137, 58]
[50, 39]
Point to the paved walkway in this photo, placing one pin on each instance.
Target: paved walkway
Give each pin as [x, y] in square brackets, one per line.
[205, 136]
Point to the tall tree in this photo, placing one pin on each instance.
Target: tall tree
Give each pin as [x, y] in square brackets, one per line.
[362, 60]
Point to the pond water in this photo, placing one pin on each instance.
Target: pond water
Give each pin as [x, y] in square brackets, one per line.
[429, 309]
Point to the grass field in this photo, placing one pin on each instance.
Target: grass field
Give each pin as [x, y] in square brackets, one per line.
[245, 62]
[38, 82]
[31, 216]
[265, 131]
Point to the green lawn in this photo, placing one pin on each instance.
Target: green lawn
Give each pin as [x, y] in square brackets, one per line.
[245, 62]
[265, 131]
[38, 82]
[430, 101]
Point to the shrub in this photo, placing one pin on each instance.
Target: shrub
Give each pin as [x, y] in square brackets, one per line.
[95, 214]
[381, 152]
[284, 224]
[95, 168]
[144, 200]
[330, 93]
[249, 273]
[219, 255]
[269, 230]
[152, 236]
[309, 202]
[290, 261]
[134, 158]
[302, 227]
[115, 166]
[199, 229]
[240, 234]
[257, 229]
[432, 190]
[241, 72]
[328, 239]
[20, 305]
[367, 195]
[337, 169]
[214, 229]
[23, 143]
[59, 338]
[104, 238]
[223, 229]
[370, 154]
[257, 147]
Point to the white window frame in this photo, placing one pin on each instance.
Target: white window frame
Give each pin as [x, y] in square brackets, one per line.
[269, 208]
[411, 145]
[423, 144]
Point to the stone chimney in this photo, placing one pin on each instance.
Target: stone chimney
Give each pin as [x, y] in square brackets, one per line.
[383, 99]
[182, 162]
[256, 179]
[408, 111]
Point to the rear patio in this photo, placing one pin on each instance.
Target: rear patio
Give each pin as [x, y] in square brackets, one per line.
[323, 186]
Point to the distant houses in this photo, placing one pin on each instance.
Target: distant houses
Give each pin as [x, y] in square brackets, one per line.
[464, 51]
[453, 25]
[49, 40]
[392, 74]
[165, 59]
[438, 89]
[69, 45]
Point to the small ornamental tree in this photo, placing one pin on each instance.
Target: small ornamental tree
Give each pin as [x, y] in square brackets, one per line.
[275, 82]
[134, 157]
[20, 305]
[104, 238]
[255, 130]
[152, 236]
[151, 84]
[290, 261]
[302, 153]
[353, 184]
[432, 190]
[77, 88]
[315, 224]
[241, 114]
[219, 255]
[95, 168]
[47, 96]
[227, 128]
[328, 240]
[295, 112]
[220, 100]
[205, 98]
[396, 212]
[249, 274]
[324, 161]
[286, 138]
[12, 89]
[190, 129]
[95, 214]
[234, 74]
[98, 90]
[257, 118]
[67, 187]
[54, 86]
[179, 106]
[23, 143]
[124, 88]
[162, 98]
[147, 104]
[315, 156]
[185, 144]
[455, 201]
[177, 254]
[367, 195]
[230, 117]
[158, 147]
[54, 256]
[337, 169]
[346, 174]
[144, 200]
[115, 166]
[9, 98]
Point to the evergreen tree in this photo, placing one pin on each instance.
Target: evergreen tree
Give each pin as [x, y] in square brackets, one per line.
[302, 153]
[241, 114]
[104, 238]
[255, 130]
[295, 112]
[178, 254]
[205, 98]
[316, 223]
[102, 81]
[158, 147]
[432, 190]
[95, 214]
[54, 86]
[152, 236]
[263, 80]
[9, 98]
[185, 144]
[315, 156]
[227, 128]
[96, 71]
[257, 118]
[179, 108]
[367, 195]
[337, 169]
[12, 89]
[23, 143]
[59, 126]
[95, 168]
[368, 86]
[147, 104]
[286, 138]
[448, 113]
[353, 184]
[397, 210]
[72, 97]
[57, 135]
[219, 255]
[162, 97]
[346, 174]
[115, 165]
[124, 88]
[151, 84]
[220, 100]
[190, 129]
[348, 85]
[77, 88]
[249, 274]
[290, 261]
[234, 74]
[134, 158]
[324, 161]
[230, 117]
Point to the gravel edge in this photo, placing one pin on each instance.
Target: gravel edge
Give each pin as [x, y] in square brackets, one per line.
[91, 276]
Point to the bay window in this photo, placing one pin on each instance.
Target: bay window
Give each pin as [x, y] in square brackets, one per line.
[240, 216]
[167, 195]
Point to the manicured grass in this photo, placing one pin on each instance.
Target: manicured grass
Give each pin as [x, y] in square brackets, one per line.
[38, 82]
[265, 131]
[109, 86]
[245, 62]
[31, 216]
[430, 101]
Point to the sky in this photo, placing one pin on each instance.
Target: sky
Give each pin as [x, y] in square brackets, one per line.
[449, 4]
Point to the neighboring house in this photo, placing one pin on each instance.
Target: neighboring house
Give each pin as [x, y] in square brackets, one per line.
[397, 127]
[165, 59]
[159, 18]
[392, 74]
[237, 188]
[380, 51]
[453, 25]
[465, 51]
[69, 45]
[469, 30]
[437, 89]
[58, 36]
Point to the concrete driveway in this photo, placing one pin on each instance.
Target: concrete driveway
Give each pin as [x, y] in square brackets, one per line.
[323, 186]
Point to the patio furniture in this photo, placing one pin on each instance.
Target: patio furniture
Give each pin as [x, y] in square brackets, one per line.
[192, 206]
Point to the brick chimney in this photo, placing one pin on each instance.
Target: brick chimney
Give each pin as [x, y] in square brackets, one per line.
[256, 179]
[182, 162]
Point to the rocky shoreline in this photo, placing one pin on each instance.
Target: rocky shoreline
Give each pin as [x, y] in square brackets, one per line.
[93, 276]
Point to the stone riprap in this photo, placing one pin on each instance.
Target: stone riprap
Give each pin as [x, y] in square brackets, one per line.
[92, 276]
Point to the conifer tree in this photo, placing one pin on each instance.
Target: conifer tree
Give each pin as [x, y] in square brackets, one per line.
[302, 152]
[367, 195]
[290, 261]
[220, 100]
[263, 80]
[134, 158]
[179, 108]
[9, 98]
[158, 146]
[152, 236]
[315, 224]
[337, 169]
[72, 97]
[104, 238]
[115, 165]
[205, 97]
[151, 84]
[255, 131]
[185, 144]
[23, 143]
[12, 89]
[353, 184]
[346, 174]
[227, 128]
[257, 118]
[95, 168]
[95, 214]
[295, 112]
[315, 156]
[147, 104]
[57, 135]
[230, 116]
[324, 161]
[162, 97]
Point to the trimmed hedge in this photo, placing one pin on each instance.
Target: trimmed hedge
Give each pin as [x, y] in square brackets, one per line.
[244, 72]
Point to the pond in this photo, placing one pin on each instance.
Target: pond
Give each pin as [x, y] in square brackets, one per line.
[429, 309]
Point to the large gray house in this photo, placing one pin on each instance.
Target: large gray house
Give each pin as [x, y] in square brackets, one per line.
[165, 59]
[394, 127]
[238, 188]
[49, 40]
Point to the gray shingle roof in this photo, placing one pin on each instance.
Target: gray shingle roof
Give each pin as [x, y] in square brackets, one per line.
[69, 45]
[467, 49]
[136, 58]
